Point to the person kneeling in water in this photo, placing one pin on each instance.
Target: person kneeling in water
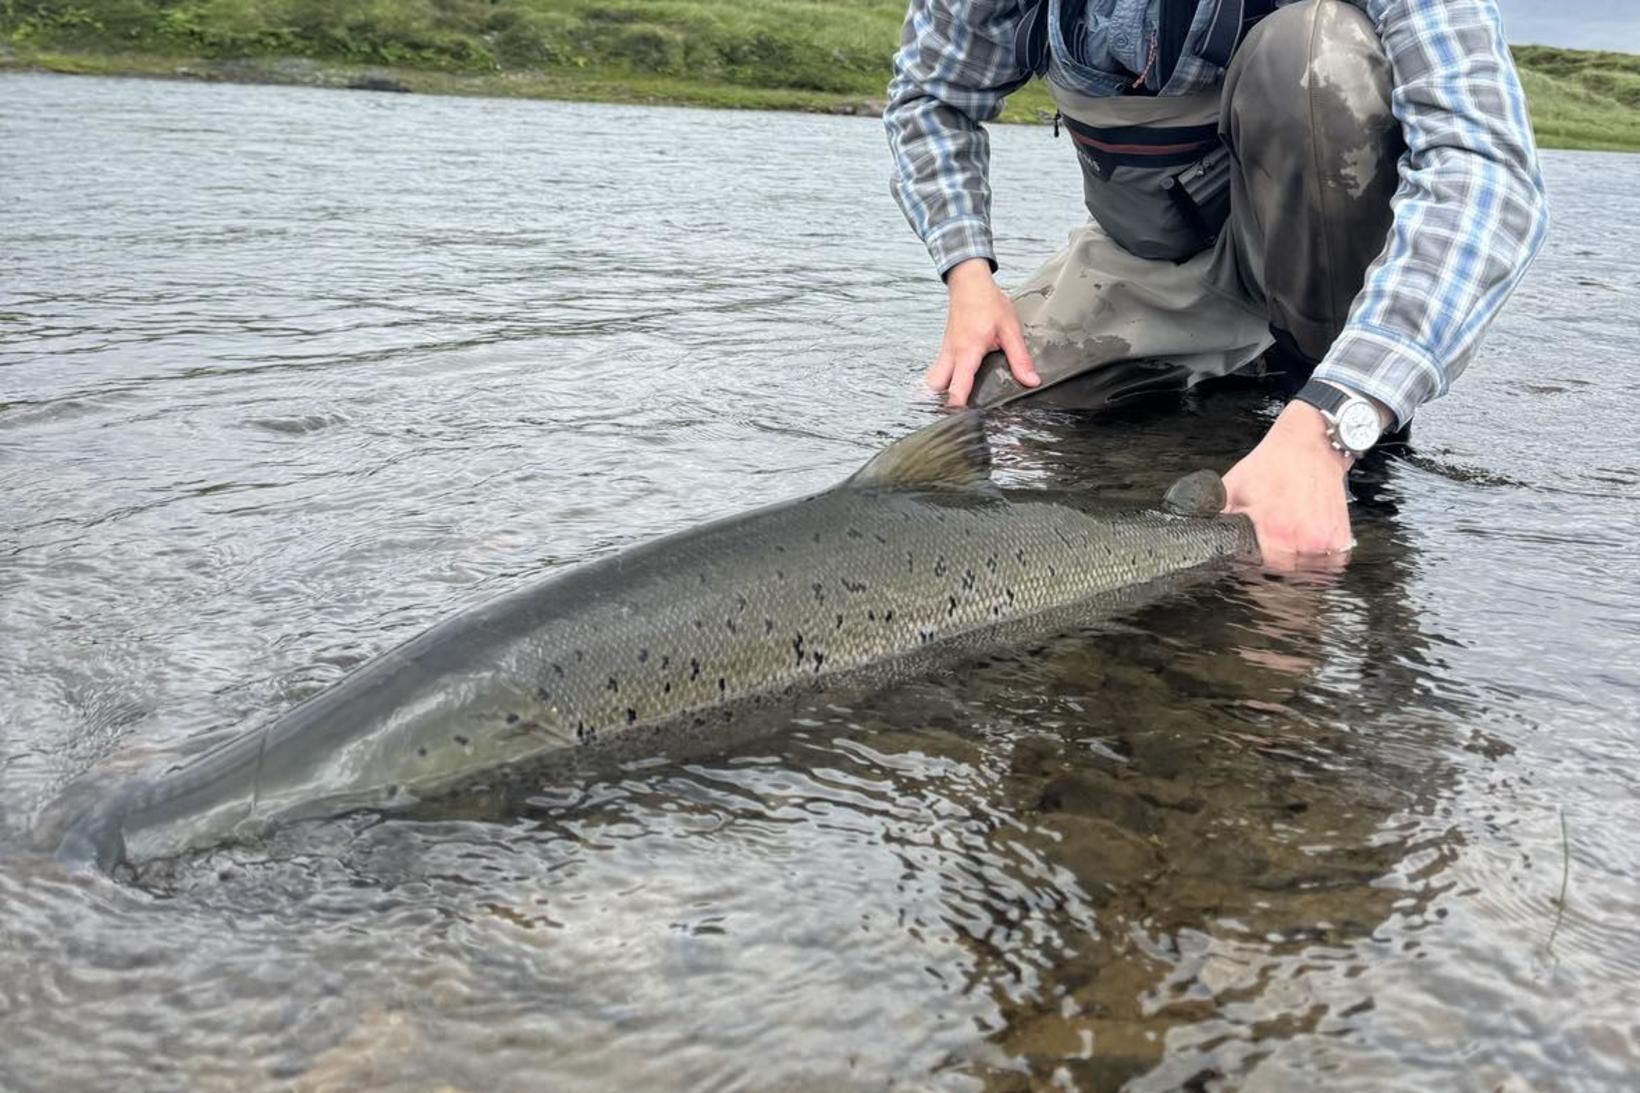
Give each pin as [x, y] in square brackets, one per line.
[1347, 190]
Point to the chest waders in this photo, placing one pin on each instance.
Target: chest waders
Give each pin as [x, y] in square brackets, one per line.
[1252, 205]
[1154, 173]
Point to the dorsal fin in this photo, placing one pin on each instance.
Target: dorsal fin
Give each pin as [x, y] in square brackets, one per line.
[951, 454]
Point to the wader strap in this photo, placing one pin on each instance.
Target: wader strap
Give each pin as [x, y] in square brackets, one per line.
[1232, 19]
[1031, 38]
[1173, 27]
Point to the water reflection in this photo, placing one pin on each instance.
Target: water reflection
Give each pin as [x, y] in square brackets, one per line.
[1269, 834]
[1141, 851]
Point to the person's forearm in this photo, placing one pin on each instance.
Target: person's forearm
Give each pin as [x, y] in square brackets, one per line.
[1469, 215]
[950, 76]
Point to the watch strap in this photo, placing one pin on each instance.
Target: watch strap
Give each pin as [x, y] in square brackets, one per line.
[1323, 396]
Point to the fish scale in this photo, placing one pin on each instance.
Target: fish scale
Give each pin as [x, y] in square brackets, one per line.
[916, 559]
[779, 606]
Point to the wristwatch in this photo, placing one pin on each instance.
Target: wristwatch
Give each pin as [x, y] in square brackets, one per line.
[1353, 425]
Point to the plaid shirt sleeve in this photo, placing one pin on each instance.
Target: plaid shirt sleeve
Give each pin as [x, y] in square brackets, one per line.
[1469, 212]
[954, 68]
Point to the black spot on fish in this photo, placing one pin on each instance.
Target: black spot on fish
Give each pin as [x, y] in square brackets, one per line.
[1052, 572]
[939, 567]
[819, 592]
[819, 659]
[888, 616]
[694, 668]
[871, 616]
[780, 574]
[991, 563]
[422, 752]
[968, 578]
[740, 601]
[580, 655]
[666, 688]
[854, 586]
[543, 694]
[817, 537]
[854, 533]
[613, 685]
[512, 719]
[779, 549]
[631, 715]
[1020, 554]
[910, 562]
[996, 609]
[879, 538]
[1010, 594]
[643, 656]
[768, 626]
[797, 645]
[558, 669]
[839, 622]
[462, 740]
[666, 662]
[699, 625]
[699, 721]
[723, 685]
[729, 624]
[952, 610]
[703, 578]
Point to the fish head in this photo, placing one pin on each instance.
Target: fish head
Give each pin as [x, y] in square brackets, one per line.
[1199, 493]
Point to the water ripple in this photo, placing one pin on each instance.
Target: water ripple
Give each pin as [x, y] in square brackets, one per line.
[276, 397]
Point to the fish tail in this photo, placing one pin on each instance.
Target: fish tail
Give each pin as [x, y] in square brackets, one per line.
[84, 827]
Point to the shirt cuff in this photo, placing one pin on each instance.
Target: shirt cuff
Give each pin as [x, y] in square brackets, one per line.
[957, 241]
[1385, 366]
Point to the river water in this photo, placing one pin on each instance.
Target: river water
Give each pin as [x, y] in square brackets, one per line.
[287, 375]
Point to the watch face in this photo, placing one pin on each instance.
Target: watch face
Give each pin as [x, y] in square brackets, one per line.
[1358, 427]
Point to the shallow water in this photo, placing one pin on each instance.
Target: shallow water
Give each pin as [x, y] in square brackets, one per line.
[288, 375]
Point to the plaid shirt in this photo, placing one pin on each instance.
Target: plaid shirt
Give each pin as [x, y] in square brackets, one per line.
[1469, 211]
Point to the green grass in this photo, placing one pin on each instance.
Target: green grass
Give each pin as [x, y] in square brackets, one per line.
[1582, 99]
[1565, 114]
[761, 54]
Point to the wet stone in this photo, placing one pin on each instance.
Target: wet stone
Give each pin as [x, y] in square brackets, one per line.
[1097, 795]
[1107, 859]
[1037, 754]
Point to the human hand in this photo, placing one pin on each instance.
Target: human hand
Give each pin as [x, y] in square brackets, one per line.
[979, 318]
[1292, 487]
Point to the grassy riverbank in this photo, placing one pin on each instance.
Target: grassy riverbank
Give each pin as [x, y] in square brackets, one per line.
[828, 55]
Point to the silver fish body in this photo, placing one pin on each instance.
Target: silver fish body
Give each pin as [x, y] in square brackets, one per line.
[914, 559]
